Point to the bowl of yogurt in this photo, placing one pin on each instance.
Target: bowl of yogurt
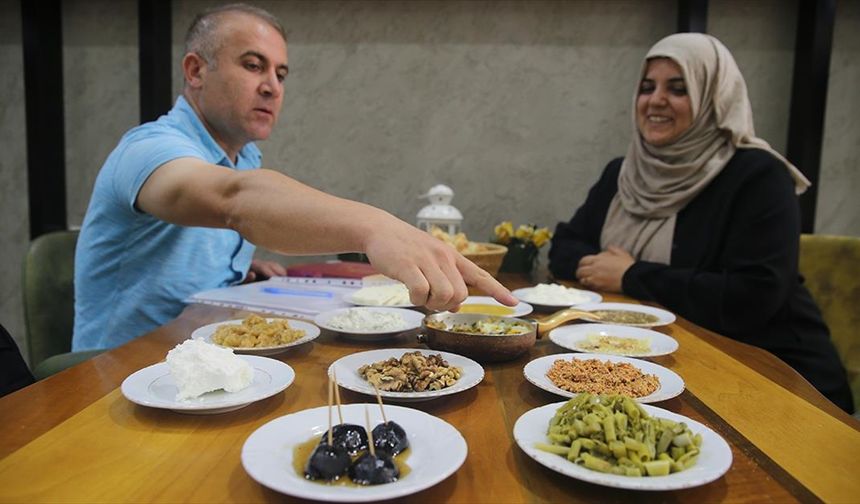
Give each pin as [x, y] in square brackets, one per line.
[553, 297]
[368, 323]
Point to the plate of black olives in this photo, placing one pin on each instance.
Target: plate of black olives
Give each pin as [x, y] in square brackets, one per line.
[354, 453]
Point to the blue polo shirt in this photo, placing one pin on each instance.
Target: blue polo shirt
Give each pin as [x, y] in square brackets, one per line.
[132, 270]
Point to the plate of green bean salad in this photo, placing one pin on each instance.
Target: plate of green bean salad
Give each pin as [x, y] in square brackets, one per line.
[622, 444]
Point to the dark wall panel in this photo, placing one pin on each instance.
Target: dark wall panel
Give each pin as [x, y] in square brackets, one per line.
[815, 21]
[155, 26]
[43, 89]
[693, 16]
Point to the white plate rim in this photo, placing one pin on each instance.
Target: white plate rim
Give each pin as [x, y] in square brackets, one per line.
[291, 484]
[666, 317]
[519, 294]
[671, 384]
[349, 298]
[282, 377]
[412, 318]
[715, 450]
[311, 333]
[473, 373]
[558, 335]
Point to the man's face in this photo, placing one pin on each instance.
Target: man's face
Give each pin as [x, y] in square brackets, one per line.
[241, 95]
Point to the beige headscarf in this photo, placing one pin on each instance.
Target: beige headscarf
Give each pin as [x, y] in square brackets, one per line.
[655, 183]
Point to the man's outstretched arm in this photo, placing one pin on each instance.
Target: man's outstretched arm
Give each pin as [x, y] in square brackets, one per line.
[283, 215]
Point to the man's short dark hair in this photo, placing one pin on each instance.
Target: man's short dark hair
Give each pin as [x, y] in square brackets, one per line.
[201, 39]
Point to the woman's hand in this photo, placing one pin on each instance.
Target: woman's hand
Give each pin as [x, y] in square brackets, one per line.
[605, 270]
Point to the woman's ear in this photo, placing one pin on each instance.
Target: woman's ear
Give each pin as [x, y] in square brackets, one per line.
[194, 69]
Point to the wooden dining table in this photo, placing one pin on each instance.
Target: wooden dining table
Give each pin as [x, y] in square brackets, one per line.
[74, 437]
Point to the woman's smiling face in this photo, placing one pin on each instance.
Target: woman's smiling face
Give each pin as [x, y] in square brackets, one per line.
[663, 108]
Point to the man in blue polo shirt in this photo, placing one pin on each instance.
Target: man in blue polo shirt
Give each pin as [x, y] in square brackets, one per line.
[180, 203]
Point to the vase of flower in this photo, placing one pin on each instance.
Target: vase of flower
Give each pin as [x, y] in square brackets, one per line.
[520, 258]
[523, 245]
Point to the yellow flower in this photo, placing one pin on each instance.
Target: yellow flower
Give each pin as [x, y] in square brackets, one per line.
[524, 232]
[504, 232]
[541, 236]
[526, 235]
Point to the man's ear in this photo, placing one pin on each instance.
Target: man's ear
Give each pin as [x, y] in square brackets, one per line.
[194, 69]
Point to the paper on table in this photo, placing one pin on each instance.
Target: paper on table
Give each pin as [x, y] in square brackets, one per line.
[295, 297]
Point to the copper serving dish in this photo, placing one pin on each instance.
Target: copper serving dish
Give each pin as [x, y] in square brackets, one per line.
[481, 347]
[489, 347]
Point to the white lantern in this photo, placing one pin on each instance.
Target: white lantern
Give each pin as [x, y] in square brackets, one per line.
[439, 212]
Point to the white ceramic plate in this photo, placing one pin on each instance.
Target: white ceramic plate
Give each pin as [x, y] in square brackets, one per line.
[411, 317]
[523, 295]
[348, 377]
[664, 317]
[571, 336]
[350, 298]
[714, 459]
[520, 310]
[311, 332]
[671, 384]
[438, 450]
[154, 386]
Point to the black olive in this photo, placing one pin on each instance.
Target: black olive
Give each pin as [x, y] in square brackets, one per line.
[327, 462]
[390, 438]
[373, 470]
[350, 437]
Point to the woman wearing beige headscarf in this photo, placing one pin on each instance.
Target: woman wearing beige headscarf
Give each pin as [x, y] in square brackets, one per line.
[701, 216]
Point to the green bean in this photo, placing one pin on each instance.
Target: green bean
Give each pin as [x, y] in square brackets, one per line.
[658, 467]
[574, 450]
[614, 434]
[665, 439]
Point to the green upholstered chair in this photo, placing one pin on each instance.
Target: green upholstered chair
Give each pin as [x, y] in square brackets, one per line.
[49, 307]
[830, 265]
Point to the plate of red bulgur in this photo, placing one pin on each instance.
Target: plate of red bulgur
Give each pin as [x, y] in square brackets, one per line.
[573, 373]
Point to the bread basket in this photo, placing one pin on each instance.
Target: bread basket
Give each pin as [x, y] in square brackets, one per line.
[489, 258]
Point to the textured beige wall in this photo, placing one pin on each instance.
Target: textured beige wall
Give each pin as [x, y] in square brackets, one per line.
[14, 211]
[517, 105]
[760, 35]
[101, 95]
[838, 209]
[386, 99]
